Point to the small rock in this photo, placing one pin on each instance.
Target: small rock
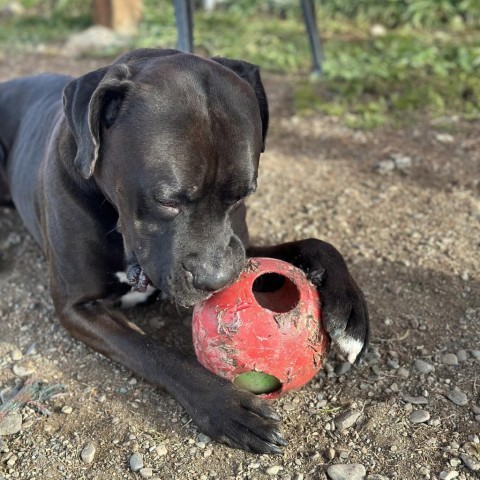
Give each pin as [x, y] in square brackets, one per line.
[208, 452]
[67, 409]
[136, 462]
[146, 472]
[376, 476]
[402, 162]
[24, 369]
[88, 453]
[346, 419]
[415, 400]
[161, 450]
[203, 438]
[32, 349]
[423, 367]
[330, 453]
[384, 166]
[354, 471]
[342, 368]
[448, 475]
[403, 372]
[449, 359]
[12, 460]
[444, 138]
[462, 355]
[16, 355]
[457, 397]
[273, 470]
[419, 416]
[11, 424]
[393, 363]
[471, 462]
[475, 354]
[476, 410]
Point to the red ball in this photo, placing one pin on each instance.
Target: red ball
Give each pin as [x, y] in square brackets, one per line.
[268, 321]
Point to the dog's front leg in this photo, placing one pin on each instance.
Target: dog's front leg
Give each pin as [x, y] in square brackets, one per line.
[345, 314]
[219, 408]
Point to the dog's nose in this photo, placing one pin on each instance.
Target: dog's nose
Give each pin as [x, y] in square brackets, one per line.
[210, 279]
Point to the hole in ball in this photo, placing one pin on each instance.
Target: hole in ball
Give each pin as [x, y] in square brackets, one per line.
[258, 382]
[275, 292]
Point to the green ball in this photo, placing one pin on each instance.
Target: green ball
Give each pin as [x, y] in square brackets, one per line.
[257, 382]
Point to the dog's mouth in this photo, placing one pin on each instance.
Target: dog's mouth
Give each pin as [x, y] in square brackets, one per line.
[139, 281]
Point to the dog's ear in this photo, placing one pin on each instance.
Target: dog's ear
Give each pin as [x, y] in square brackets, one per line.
[88, 102]
[250, 73]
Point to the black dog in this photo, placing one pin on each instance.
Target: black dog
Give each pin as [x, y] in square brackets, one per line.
[144, 169]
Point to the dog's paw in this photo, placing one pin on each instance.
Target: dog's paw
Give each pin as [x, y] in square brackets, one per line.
[234, 417]
[344, 310]
[345, 318]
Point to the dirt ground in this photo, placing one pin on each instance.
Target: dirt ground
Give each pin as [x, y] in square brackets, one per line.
[411, 237]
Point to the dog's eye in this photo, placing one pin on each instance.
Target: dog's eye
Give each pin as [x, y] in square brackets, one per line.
[169, 208]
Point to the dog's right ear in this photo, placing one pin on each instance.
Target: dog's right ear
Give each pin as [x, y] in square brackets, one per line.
[90, 100]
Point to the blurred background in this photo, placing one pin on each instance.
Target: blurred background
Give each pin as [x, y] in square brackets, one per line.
[383, 60]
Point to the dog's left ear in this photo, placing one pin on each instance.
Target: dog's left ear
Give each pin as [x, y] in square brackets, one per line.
[89, 101]
[250, 73]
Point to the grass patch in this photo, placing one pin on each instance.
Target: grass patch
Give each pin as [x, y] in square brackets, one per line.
[428, 61]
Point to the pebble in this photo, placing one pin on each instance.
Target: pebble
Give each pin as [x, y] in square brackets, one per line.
[273, 470]
[136, 462]
[449, 359]
[423, 367]
[444, 138]
[415, 400]
[462, 355]
[88, 453]
[376, 476]
[475, 354]
[457, 397]
[346, 419]
[393, 363]
[384, 166]
[16, 355]
[161, 450]
[476, 410]
[11, 424]
[67, 409]
[419, 416]
[403, 372]
[354, 471]
[330, 453]
[342, 368]
[146, 472]
[471, 463]
[402, 162]
[449, 475]
[203, 438]
[23, 369]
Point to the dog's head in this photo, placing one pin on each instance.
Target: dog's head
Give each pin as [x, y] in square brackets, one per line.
[173, 142]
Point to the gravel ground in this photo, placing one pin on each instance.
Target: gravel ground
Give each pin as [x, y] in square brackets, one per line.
[402, 205]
